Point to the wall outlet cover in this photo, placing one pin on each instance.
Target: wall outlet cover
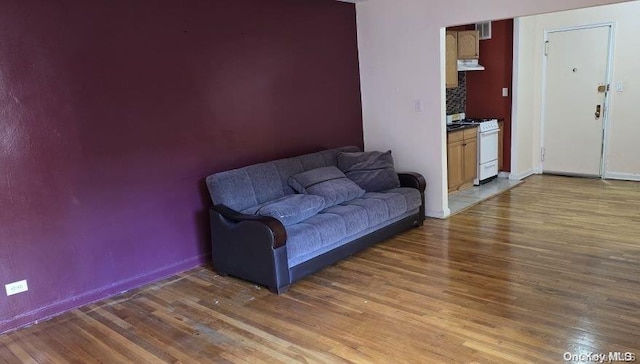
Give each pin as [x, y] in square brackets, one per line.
[16, 287]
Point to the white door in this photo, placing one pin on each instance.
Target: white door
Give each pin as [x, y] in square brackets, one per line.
[577, 63]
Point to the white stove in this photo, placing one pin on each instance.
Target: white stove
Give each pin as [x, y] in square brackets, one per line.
[488, 130]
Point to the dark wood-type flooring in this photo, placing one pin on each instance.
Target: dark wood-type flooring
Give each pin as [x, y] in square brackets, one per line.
[550, 267]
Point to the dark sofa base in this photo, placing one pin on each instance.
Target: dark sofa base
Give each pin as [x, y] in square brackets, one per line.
[266, 264]
[313, 265]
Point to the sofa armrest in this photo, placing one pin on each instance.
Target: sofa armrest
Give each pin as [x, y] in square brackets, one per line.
[412, 179]
[250, 247]
[415, 180]
[274, 225]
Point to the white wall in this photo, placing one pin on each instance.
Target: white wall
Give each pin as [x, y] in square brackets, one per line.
[402, 60]
[623, 147]
[523, 113]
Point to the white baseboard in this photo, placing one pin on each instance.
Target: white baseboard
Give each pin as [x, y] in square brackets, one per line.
[622, 176]
[520, 176]
[503, 174]
[438, 214]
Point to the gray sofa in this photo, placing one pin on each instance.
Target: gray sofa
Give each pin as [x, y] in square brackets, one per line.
[261, 249]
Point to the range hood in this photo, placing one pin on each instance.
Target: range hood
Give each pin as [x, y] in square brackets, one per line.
[469, 65]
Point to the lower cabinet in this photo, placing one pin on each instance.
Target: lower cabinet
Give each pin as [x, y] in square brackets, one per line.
[462, 158]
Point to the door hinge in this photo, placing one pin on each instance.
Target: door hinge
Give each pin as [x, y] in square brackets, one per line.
[546, 48]
[542, 154]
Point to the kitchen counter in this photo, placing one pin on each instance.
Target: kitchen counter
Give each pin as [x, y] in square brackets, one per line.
[456, 127]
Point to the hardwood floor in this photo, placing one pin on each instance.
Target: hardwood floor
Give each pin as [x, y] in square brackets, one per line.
[549, 267]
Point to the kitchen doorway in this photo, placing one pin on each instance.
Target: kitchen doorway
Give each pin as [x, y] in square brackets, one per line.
[575, 88]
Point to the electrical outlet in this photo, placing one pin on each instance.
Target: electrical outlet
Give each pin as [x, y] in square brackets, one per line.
[16, 287]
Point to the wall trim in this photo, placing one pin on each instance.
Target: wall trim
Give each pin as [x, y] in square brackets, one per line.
[438, 214]
[520, 176]
[56, 308]
[514, 95]
[622, 176]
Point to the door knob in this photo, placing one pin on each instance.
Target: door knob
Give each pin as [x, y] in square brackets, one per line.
[598, 108]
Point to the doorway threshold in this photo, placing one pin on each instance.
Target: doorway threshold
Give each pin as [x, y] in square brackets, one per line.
[462, 200]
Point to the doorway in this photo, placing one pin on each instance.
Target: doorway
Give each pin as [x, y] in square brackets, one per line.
[575, 86]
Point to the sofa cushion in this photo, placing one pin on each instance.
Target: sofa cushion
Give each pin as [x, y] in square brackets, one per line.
[411, 195]
[355, 217]
[256, 184]
[290, 209]
[319, 233]
[373, 171]
[327, 182]
[396, 204]
[313, 234]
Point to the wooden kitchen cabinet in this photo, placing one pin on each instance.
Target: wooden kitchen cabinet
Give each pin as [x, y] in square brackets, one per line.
[470, 146]
[455, 162]
[468, 44]
[451, 68]
[462, 158]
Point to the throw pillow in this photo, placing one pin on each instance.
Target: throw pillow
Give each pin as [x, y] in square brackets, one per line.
[327, 182]
[372, 171]
[290, 209]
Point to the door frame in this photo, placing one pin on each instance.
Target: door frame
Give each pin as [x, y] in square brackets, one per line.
[607, 99]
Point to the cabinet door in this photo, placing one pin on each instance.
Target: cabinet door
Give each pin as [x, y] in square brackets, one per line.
[455, 164]
[470, 159]
[451, 60]
[468, 44]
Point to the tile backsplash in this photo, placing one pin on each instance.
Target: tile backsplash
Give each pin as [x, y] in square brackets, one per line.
[457, 97]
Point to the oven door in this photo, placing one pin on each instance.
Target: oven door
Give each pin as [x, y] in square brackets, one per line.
[488, 146]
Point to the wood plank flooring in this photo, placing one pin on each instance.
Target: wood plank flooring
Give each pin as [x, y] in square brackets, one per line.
[549, 267]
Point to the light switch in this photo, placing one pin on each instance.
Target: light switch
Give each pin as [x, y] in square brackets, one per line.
[505, 92]
[619, 87]
[417, 105]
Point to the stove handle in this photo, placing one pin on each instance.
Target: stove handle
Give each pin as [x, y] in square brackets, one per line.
[483, 133]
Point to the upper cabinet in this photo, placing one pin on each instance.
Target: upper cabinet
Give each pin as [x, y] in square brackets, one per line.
[465, 46]
[468, 44]
[451, 59]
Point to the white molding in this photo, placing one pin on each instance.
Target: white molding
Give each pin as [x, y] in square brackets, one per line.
[607, 101]
[504, 174]
[523, 175]
[623, 176]
[514, 94]
[438, 214]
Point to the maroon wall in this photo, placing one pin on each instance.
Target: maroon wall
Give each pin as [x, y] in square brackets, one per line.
[484, 88]
[113, 113]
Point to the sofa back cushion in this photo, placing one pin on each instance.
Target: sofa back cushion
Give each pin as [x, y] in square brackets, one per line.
[373, 171]
[256, 184]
